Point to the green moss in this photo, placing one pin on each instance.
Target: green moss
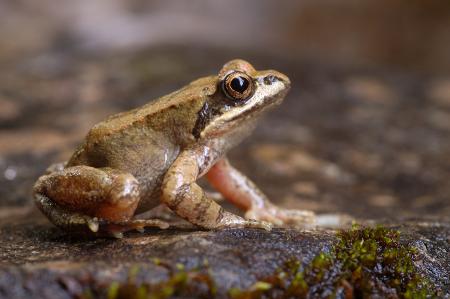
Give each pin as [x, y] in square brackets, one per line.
[180, 283]
[373, 261]
[255, 291]
[365, 262]
[113, 290]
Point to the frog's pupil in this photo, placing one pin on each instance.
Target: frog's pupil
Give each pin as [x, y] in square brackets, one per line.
[239, 84]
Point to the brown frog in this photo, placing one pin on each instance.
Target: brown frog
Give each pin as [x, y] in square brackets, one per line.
[135, 160]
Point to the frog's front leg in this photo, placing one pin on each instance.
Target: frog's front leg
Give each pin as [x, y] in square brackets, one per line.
[79, 197]
[187, 199]
[242, 192]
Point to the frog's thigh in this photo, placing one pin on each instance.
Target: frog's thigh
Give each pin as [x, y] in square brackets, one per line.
[105, 193]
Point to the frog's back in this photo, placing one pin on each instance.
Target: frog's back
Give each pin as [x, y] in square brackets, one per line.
[124, 121]
[175, 107]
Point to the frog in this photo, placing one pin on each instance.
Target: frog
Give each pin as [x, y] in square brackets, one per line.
[134, 161]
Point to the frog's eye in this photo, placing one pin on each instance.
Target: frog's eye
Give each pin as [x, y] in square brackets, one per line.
[238, 86]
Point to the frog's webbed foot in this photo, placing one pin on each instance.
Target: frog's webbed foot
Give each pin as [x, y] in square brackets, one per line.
[85, 224]
[117, 229]
[229, 220]
[282, 217]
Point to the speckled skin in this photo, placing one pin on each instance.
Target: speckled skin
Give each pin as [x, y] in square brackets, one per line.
[132, 161]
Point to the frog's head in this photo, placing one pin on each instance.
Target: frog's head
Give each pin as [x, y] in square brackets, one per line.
[241, 95]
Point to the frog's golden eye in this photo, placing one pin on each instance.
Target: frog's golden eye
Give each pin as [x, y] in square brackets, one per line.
[238, 86]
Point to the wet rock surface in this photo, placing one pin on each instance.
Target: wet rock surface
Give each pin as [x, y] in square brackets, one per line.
[39, 261]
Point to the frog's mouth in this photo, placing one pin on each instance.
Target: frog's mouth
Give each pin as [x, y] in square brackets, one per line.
[242, 119]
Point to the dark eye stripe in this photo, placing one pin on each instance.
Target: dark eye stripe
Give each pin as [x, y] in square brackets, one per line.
[204, 117]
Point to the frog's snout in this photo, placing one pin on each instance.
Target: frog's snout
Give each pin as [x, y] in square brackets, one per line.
[274, 85]
[270, 77]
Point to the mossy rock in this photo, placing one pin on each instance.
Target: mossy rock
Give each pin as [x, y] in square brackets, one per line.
[407, 261]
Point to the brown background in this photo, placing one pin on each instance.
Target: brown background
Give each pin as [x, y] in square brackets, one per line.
[365, 129]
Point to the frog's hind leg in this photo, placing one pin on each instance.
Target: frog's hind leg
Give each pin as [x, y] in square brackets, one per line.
[242, 192]
[80, 197]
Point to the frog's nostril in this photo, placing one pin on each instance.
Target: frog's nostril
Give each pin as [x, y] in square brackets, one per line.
[278, 77]
[268, 80]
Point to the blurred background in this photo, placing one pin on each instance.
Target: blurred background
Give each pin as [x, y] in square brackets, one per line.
[364, 131]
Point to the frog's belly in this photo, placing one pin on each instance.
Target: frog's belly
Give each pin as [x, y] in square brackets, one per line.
[149, 187]
[149, 170]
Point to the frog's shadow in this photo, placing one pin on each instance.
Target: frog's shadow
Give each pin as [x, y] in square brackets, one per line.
[52, 234]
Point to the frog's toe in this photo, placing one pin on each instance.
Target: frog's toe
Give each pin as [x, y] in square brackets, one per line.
[258, 224]
[249, 224]
[116, 230]
[134, 224]
[282, 217]
[296, 217]
[141, 224]
[93, 224]
[230, 220]
[263, 215]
